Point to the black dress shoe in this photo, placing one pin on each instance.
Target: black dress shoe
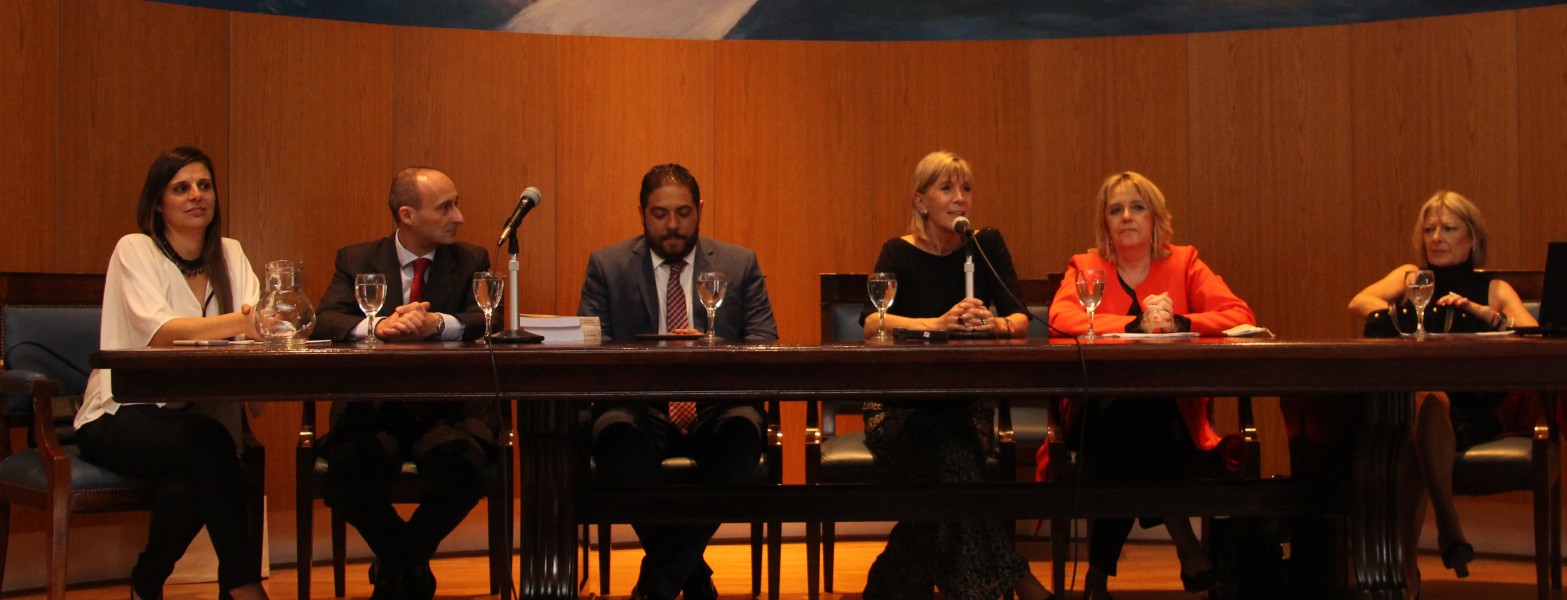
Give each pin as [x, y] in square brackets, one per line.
[699, 587]
[1200, 582]
[1457, 557]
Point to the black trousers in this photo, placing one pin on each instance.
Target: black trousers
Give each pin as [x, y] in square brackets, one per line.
[365, 452]
[631, 440]
[1132, 439]
[200, 481]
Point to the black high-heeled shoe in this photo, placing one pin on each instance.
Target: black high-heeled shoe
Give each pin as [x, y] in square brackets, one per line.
[1200, 582]
[1457, 557]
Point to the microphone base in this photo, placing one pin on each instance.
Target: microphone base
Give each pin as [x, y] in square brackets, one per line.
[516, 336]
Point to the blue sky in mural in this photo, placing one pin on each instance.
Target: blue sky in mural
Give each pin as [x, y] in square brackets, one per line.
[863, 20]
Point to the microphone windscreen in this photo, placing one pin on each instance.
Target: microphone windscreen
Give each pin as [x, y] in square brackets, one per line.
[532, 193]
[961, 226]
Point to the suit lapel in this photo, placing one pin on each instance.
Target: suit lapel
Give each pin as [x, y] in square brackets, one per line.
[385, 263]
[441, 283]
[646, 286]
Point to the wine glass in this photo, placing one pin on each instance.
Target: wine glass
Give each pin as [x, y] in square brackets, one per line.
[883, 287]
[1090, 289]
[1419, 286]
[711, 286]
[370, 291]
[487, 289]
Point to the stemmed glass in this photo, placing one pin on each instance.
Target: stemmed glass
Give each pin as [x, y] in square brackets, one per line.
[370, 291]
[711, 286]
[1419, 286]
[487, 290]
[883, 287]
[1090, 289]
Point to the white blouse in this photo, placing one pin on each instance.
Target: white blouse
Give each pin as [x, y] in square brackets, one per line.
[142, 290]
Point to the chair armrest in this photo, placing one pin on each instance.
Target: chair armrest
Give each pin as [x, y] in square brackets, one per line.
[19, 381]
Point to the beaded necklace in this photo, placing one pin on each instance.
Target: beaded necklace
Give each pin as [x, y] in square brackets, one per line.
[187, 267]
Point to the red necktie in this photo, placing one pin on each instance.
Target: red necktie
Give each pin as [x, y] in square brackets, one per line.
[675, 316]
[416, 287]
[680, 413]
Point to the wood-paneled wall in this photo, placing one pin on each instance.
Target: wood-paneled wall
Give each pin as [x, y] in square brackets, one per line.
[1293, 158]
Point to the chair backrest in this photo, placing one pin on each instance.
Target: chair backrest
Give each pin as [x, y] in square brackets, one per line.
[49, 325]
[844, 297]
[1037, 294]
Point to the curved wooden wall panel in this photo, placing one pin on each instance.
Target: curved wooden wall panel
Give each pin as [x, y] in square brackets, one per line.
[1270, 149]
[125, 97]
[28, 42]
[312, 138]
[796, 135]
[481, 106]
[967, 98]
[1542, 130]
[1435, 105]
[625, 105]
[1100, 106]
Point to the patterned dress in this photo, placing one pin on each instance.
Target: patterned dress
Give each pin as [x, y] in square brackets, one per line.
[941, 442]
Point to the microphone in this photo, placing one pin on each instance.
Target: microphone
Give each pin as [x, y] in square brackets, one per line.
[529, 200]
[962, 227]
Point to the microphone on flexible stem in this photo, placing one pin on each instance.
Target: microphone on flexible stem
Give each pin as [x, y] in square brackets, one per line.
[530, 199]
[515, 334]
[965, 230]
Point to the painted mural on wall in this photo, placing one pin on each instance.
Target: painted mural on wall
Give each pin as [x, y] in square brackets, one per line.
[864, 20]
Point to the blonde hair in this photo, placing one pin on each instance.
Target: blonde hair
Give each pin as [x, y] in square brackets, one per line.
[931, 169]
[1163, 231]
[1460, 207]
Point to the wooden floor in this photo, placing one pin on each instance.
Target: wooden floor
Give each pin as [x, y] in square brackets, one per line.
[1148, 572]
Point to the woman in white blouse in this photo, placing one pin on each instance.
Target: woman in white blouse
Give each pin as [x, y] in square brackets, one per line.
[177, 279]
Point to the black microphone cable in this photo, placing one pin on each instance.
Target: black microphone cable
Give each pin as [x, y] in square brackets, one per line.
[1082, 361]
[502, 450]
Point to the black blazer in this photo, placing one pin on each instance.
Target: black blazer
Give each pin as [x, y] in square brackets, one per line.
[448, 286]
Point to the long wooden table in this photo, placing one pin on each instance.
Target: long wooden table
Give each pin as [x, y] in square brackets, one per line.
[551, 383]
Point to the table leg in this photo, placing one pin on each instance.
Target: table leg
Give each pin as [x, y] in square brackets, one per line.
[548, 449]
[1377, 526]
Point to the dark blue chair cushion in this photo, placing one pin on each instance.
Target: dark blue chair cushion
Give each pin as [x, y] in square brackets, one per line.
[26, 469]
[1503, 465]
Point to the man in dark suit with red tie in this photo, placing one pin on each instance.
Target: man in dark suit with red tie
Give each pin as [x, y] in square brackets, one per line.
[429, 295]
[644, 285]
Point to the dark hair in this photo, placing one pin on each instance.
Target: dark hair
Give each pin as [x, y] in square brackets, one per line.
[663, 175]
[150, 219]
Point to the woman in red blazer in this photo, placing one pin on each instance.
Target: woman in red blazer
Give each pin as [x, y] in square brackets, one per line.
[1157, 287]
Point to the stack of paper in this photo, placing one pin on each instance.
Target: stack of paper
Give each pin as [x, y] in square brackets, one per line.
[563, 330]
